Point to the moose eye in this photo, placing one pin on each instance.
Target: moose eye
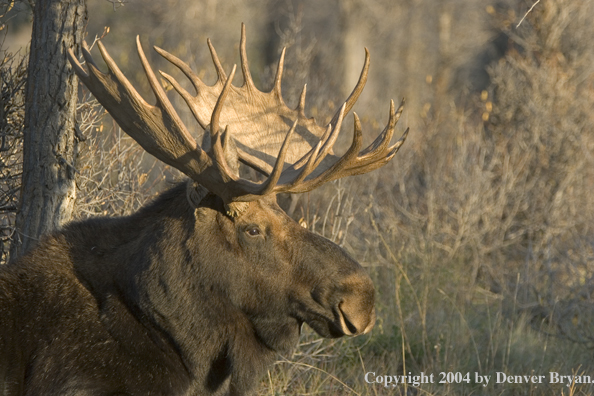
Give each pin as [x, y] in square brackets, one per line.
[253, 231]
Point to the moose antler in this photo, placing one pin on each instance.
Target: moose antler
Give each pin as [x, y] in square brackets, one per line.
[297, 161]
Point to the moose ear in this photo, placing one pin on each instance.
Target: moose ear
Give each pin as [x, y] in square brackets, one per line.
[195, 193]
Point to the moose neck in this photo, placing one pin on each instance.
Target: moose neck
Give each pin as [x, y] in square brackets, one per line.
[170, 273]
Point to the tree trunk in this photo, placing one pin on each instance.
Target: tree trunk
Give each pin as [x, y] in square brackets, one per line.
[50, 142]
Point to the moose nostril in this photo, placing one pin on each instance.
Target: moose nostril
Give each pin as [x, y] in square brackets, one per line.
[350, 326]
[352, 329]
[356, 315]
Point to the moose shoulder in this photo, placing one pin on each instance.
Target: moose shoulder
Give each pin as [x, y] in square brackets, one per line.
[198, 291]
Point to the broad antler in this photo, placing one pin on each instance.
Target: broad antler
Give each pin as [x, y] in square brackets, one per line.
[256, 120]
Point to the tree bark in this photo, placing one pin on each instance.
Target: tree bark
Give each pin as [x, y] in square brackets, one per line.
[50, 142]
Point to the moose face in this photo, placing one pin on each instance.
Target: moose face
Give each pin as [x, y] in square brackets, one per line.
[278, 271]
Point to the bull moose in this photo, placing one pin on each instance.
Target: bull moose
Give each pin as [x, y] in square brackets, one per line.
[198, 291]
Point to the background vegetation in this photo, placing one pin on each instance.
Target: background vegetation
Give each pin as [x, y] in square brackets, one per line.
[478, 235]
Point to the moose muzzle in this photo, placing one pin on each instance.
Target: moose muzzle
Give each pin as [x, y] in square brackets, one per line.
[355, 314]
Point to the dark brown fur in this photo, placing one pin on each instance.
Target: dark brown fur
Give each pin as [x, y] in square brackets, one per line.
[171, 300]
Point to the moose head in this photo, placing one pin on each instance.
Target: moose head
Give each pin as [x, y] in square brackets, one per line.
[198, 291]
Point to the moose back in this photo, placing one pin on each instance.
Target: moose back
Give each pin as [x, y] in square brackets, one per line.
[198, 291]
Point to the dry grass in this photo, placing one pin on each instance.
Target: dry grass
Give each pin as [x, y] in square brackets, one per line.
[115, 175]
[479, 239]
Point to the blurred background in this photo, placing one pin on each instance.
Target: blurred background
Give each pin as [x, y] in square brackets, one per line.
[478, 235]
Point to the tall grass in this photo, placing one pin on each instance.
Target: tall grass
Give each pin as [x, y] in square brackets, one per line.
[479, 235]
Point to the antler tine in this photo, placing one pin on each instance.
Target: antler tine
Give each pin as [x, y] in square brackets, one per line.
[78, 69]
[400, 141]
[245, 69]
[383, 140]
[381, 161]
[216, 61]
[301, 106]
[185, 68]
[154, 83]
[115, 71]
[329, 143]
[379, 158]
[270, 184]
[87, 55]
[223, 168]
[226, 138]
[306, 170]
[305, 158]
[354, 96]
[276, 88]
[333, 172]
[183, 93]
[216, 113]
[327, 140]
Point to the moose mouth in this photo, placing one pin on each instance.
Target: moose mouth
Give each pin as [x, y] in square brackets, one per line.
[341, 321]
